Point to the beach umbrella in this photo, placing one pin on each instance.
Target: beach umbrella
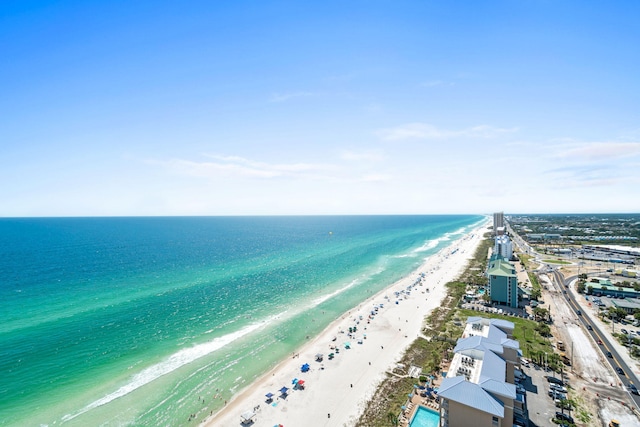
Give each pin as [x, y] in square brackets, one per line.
[269, 395]
[247, 416]
[305, 367]
[284, 390]
[294, 381]
[403, 407]
[301, 382]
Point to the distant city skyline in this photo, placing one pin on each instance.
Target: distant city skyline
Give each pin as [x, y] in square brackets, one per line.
[282, 108]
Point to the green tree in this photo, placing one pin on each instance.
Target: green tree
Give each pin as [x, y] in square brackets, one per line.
[535, 294]
[393, 419]
[581, 287]
[543, 329]
[616, 313]
[541, 313]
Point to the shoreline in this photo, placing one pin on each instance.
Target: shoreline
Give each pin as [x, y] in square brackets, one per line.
[336, 390]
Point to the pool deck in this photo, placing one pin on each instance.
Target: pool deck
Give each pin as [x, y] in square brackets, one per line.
[416, 400]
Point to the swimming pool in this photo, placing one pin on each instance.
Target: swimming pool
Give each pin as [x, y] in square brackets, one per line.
[425, 417]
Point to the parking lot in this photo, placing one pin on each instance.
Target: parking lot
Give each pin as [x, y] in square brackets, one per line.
[541, 407]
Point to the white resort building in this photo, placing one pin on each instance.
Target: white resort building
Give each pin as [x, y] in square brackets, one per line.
[479, 389]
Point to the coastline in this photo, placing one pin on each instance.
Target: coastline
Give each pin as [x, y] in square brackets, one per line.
[336, 390]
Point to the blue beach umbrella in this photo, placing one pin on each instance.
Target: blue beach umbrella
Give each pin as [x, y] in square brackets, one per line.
[294, 381]
[284, 390]
[269, 395]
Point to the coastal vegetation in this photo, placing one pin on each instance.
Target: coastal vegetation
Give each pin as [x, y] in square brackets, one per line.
[442, 328]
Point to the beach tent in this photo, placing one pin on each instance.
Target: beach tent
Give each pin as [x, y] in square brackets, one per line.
[247, 417]
[305, 367]
[319, 357]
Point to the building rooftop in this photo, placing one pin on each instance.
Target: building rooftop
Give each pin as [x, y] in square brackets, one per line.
[626, 303]
[477, 374]
[470, 394]
[501, 267]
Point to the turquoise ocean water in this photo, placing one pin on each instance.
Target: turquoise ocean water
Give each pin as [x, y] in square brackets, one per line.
[144, 321]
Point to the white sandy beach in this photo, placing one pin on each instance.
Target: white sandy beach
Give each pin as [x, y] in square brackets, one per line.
[336, 390]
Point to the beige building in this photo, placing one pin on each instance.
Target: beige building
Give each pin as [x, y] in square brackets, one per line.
[480, 389]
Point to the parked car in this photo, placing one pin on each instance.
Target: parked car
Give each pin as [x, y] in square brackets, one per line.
[555, 380]
[624, 331]
[558, 388]
[564, 417]
[557, 395]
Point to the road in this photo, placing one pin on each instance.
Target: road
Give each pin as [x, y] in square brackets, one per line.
[561, 284]
[595, 380]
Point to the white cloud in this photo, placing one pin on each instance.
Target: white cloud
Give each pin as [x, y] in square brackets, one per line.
[281, 97]
[234, 166]
[379, 177]
[365, 155]
[598, 150]
[428, 131]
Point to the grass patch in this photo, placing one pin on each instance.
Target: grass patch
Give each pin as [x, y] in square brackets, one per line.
[555, 261]
[533, 345]
[525, 260]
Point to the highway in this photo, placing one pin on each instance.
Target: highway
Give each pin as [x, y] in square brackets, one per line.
[561, 285]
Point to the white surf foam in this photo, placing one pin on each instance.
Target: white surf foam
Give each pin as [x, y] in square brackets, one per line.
[169, 365]
[429, 244]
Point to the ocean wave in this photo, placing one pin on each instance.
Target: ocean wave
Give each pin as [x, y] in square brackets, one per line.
[428, 245]
[316, 302]
[175, 361]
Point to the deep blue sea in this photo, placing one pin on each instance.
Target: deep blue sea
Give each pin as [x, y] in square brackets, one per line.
[130, 321]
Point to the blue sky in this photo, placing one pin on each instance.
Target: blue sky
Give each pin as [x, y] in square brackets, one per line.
[333, 107]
